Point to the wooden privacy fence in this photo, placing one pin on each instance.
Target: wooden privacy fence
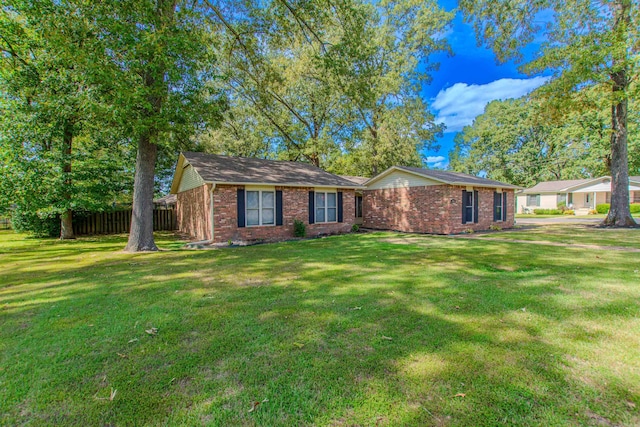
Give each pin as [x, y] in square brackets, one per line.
[117, 222]
[5, 223]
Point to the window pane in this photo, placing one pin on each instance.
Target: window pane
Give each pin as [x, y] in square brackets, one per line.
[320, 215]
[331, 200]
[252, 200]
[268, 199]
[320, 199]
[267, 216]
[253, 217]
[331, 214]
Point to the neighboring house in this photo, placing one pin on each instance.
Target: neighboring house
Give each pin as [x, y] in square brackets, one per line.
[165, 202]
[583, 195]
[223, 199]
[431, 201]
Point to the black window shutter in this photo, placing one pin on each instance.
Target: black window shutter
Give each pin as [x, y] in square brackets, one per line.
[476, 205]
[339, 206]
[312, 207]
[496, 203]
[278, 207]
[464, 206]
[241, 222]
[504, 206]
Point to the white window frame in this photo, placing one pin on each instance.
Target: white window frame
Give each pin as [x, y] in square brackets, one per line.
[260, 208]
[472, 206]
[501, 193]
[325, 207]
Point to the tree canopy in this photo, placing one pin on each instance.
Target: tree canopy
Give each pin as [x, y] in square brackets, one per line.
[585, 44]
[515, 141]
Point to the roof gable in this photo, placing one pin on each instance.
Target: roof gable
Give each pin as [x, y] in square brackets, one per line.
[444, 177]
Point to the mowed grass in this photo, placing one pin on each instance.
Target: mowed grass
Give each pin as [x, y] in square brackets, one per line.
[369, 329]
[572, 234]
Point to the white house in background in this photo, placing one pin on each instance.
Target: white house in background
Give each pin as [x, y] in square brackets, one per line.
[581, 195]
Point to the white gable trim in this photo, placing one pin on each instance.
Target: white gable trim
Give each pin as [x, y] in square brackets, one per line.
[394, 169]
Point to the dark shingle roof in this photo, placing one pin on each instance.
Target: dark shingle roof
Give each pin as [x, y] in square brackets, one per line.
[457, 178]
[169, 199]
[360, 180]
[245, 170]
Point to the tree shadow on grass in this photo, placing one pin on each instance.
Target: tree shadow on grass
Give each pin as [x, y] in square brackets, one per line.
[339, 331]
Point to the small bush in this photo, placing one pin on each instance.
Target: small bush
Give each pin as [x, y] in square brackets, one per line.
[569, 212]
[593, 212]
[562, 206]
[25, 221]
[547, 211]
[469, 231]
[634, 207]
[603, 208]
[495, 227]
[355, 228]
[299, 228]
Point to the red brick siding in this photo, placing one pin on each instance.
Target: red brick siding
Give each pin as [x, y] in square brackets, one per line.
[193, 209]
[431, 209]
[295, 205]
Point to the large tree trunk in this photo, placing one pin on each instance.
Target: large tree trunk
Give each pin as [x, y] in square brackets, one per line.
[619, 213]
[141, 232]
[66, 219]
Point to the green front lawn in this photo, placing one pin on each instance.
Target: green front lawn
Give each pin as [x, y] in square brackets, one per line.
[572, 234]
[598, 216]
[368, 329]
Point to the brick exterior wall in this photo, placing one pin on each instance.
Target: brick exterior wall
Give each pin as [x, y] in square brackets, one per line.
[194, 213]
[295, 205]
[430, 209]
[193, 209]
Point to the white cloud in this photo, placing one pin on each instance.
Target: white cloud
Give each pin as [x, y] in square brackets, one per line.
[459, 104]
[437, 162]
[435, 159]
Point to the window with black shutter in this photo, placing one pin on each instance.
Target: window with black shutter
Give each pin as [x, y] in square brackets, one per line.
[467, 206]
[497, 206]
[504, 206]
[358, 206]
[476, 206]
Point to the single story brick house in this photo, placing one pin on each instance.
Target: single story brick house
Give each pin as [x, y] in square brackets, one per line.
[438, 202]
[221, 198]
[582, 195]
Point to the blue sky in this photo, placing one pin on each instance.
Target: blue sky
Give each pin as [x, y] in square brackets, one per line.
[466, 82]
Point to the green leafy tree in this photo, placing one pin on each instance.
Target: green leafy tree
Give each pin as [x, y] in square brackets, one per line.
[56, 161]
[586, 44]
[512, 142]
[282, 99]
[380, 64]
[156, 75]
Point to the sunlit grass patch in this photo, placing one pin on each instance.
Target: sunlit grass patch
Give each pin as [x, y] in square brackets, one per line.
[366, 329]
